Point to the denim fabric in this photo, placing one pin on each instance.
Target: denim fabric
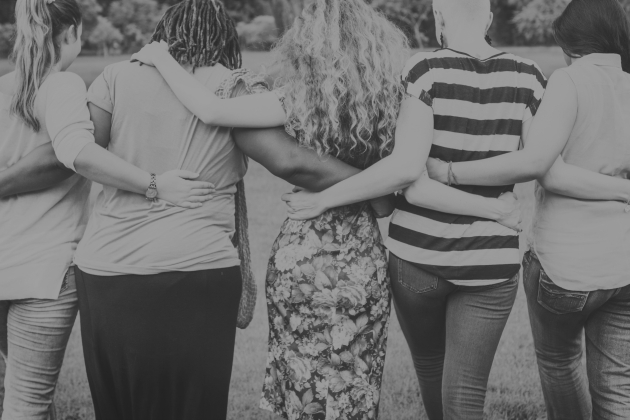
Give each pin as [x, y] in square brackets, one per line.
[33, 338]
[453, 333]
[559, 319]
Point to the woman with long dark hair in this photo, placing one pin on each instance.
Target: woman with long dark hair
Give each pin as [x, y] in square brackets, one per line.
[576, 273]
[43, 205]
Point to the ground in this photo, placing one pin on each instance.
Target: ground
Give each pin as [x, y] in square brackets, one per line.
[513, 390]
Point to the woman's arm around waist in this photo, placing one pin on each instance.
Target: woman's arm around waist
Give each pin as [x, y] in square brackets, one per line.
[72, 134]
[282, 156]
[38, 170]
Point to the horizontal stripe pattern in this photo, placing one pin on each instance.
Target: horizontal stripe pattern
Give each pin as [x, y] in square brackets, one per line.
[479, 107]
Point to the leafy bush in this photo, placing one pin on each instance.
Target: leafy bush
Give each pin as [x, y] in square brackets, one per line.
[259, 34]
[7, 34]
[105, 36]
[534, 21]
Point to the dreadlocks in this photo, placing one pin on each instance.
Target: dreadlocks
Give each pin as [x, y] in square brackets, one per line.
[200, 33]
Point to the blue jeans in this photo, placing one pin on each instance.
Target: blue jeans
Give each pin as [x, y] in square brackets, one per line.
[453, 333]
[33, 338]
[559, 318]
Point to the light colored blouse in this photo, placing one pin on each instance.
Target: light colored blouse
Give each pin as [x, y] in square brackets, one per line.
[39, 231]
[151, 129]
[585, 245]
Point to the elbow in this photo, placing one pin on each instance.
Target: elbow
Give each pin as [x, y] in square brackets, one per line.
[407, 175]
[209, 113]
[286, 167]
[538, 169]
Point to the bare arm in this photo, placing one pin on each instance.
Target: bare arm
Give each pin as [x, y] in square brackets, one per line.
[36, 171]
[282, 156]
[576, 182]
[262, 110]
[414, 136]
[545, 137]
[548, 135]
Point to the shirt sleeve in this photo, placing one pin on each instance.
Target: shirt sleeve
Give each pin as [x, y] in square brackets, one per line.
[67, 117]
[99, 93]
[539, 84]
[417, 79]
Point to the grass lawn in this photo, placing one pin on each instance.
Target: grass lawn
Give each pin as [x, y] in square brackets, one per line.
[513, 391]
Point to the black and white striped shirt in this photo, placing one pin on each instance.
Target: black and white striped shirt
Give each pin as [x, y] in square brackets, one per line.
[479, 108]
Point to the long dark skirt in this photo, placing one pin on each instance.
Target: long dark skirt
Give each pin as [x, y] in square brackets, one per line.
[159, 347]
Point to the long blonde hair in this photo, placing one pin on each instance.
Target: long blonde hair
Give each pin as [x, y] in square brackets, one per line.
[37, 49]
[340, 65]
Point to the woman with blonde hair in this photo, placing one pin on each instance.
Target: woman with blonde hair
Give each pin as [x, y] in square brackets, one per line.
[327, 284]
[43, 205]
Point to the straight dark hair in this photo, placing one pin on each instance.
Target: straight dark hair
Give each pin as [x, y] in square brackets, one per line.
[594, 26]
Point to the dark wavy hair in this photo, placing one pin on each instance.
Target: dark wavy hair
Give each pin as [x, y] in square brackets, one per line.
[200, 33]
[594, 26]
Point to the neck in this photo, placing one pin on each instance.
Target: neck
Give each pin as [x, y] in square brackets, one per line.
[469, 40]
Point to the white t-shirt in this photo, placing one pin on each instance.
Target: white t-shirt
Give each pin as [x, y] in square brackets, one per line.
[39, 231]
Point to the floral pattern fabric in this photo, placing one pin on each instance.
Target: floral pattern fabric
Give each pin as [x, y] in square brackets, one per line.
[328, 300]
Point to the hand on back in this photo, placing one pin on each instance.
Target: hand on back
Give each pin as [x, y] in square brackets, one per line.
[178, 188]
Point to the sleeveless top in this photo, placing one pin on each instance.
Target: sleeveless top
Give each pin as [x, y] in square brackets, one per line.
[585, 245]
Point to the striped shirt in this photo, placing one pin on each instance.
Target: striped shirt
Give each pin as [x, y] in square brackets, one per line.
[479, 108]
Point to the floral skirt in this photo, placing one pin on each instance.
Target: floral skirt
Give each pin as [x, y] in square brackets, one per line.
[328, 301]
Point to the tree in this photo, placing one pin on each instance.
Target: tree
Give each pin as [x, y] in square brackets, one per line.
[136, 20]
[534, 20]
[7, 33]
[285, 12]
[105, 35]
[411, 16]
[90, 12]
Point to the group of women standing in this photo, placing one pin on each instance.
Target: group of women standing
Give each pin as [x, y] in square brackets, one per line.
[160, 268]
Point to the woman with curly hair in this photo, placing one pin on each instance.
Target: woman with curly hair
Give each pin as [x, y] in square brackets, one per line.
[327, 284]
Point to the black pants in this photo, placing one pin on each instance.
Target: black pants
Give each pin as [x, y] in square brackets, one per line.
[453, 333]
[159, 347]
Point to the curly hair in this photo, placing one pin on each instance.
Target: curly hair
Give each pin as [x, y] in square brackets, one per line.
[200, 33]
[340, 67]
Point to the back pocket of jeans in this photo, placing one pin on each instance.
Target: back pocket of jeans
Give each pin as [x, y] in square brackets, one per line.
[557, 300]
[415, 279]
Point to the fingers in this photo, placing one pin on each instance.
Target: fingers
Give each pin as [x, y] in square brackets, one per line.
[202, 191]
[201, 185]
[287, 197]
[185, 174]
[189, 205]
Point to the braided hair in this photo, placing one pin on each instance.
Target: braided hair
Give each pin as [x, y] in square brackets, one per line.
[200, 33]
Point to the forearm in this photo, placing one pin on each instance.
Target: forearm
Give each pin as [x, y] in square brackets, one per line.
[38, 170]
[573, 181]
[282, 156]
[507, 169]
[433, 195]
[98, 165]
[383, 178]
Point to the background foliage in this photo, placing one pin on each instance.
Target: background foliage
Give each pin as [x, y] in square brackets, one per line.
[121, 26]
